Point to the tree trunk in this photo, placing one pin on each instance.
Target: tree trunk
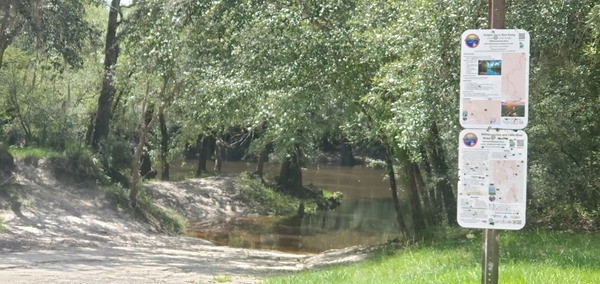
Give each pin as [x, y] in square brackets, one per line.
[146, 119]
[7, 26]
[290, 173]
[201, 167]
[164, 144]
[389, 153]
[17, 106]
[428, 208]
[394, 187]
[436, 204]
[346, 156]
[7, 162]
[146, 170]
[204, 143]
[411, 184]
[201, 155]
[2, 49]
[440, 168]
[90, 129]
[111, 53]
[218, 153]
[262, 159]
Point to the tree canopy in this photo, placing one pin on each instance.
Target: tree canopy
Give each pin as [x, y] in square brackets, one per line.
[286, 75]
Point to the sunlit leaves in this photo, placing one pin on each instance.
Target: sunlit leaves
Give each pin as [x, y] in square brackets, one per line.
[564, 88]
[51, 26]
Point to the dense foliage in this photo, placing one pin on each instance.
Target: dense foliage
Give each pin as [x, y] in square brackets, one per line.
[284, 76]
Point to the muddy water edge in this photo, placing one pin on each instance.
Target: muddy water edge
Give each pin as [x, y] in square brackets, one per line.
[365, 217]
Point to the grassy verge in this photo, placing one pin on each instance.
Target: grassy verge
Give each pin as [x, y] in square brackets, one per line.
[526, 257]
[34, 153]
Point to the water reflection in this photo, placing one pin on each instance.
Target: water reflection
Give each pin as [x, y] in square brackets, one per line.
[365, 217]
[356, 222]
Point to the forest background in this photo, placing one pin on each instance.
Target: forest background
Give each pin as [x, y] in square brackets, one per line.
[151, 80]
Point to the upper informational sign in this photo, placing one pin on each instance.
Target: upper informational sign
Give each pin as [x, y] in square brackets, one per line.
[494, 79]
[492, 179]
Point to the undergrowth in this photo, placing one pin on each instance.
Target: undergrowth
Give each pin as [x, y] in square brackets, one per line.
[162, 218]
[267, 201]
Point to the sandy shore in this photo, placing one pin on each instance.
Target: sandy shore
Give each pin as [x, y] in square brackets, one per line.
[64, 232]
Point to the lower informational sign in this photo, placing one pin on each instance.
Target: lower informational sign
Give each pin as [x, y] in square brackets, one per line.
[492, 183]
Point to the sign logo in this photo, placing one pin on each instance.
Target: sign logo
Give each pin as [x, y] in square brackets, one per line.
[470, 139]
[472, 40]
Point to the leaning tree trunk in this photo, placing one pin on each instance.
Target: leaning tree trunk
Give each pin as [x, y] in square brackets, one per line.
[146, 119]
[428, 208]
[411, 184]
[435, 203]
[105, 100]
[389, 153]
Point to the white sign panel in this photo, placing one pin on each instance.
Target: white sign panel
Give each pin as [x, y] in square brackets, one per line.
[492, 179]
[494, 79]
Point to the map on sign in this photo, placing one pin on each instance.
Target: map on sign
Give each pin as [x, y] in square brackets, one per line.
[492, 179]
[494, 79]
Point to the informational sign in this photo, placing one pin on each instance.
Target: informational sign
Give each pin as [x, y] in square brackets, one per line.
[492, 179]
[494, 79]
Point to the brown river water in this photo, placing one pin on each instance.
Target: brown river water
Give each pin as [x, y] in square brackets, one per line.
[365, 217]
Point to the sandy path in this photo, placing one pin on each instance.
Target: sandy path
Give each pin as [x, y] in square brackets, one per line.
[64, 232]
[196, 264]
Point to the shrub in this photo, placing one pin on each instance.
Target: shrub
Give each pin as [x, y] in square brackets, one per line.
[266, 200]
[79, 164]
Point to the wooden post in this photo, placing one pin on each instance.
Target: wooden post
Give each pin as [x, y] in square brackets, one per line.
[491, 237]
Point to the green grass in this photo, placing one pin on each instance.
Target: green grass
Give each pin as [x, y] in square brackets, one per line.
[222, 278]
[33, 152]
[526, 257]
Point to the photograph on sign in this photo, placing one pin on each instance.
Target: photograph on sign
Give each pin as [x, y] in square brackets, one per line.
[492, 179]
[494, 79]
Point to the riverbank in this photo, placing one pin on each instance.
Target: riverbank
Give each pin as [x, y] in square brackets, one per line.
[59, 231]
